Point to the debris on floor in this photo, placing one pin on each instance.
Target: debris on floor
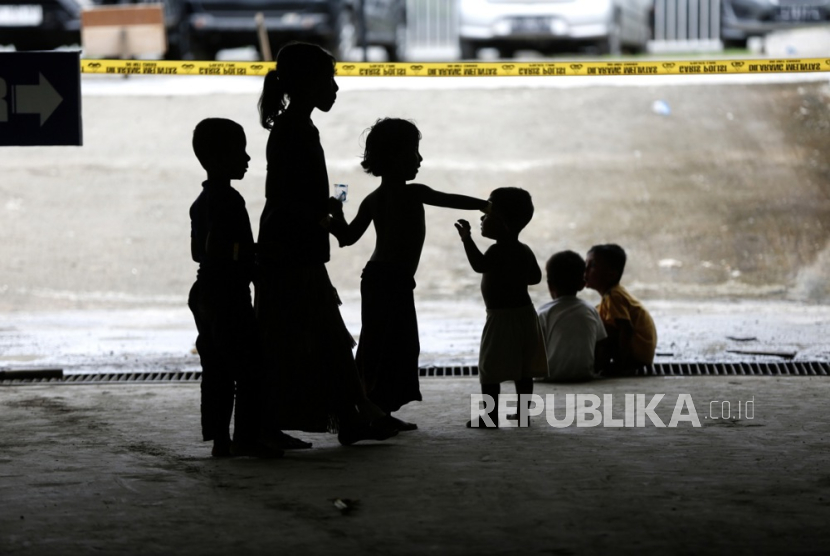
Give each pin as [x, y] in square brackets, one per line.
[345, 505]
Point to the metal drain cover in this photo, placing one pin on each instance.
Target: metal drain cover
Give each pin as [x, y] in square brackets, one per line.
[785, 368]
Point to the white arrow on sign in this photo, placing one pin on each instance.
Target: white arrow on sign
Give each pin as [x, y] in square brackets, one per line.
[37, 99]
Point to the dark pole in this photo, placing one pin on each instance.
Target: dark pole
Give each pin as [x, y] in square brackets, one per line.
[361, 23]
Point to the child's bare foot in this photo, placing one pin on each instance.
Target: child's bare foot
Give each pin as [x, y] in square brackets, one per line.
[221, 448]
[276, 440]
[401, 426]
[368, 412]
[288, 442]
[376, 430]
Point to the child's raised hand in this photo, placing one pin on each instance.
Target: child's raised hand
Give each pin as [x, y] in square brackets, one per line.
[464, 229]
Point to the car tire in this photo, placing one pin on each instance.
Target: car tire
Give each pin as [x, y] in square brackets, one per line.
[507, 52]
[180, 46]
[612, 44]
[204, 52]
[397, 52]
[177, 47]
[199, 50]
[735, 43]
[469, 49]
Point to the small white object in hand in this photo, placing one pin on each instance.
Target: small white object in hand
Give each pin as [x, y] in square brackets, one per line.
[341, 191]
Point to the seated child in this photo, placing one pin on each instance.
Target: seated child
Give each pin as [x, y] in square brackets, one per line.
[632, 338]
[572, 328]
[512, 346]
[222, 243]
[389, 347]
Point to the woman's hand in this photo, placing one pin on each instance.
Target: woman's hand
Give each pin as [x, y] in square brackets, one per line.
[335, 207]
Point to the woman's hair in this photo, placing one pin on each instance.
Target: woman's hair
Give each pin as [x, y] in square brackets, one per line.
[298, 63]
[385, 142]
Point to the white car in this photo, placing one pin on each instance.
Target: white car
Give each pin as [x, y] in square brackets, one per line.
[609, 26]
[741, 19]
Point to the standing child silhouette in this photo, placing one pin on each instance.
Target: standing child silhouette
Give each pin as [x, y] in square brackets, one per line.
[512, 346]
[223, 245]
[306, 344]
[387, 355]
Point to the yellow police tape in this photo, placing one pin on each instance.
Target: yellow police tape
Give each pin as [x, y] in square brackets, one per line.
[468, 69]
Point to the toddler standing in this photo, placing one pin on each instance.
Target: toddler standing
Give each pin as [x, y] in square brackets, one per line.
[512, 346]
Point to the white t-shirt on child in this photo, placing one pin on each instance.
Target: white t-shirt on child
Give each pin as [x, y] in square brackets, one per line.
[571, 328]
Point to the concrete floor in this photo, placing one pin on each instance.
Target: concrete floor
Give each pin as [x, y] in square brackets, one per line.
[120, 469]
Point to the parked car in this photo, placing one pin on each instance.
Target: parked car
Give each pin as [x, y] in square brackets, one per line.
[198, 29]
[741, 19]
[41, 24]
[203, 27]
[608, 26]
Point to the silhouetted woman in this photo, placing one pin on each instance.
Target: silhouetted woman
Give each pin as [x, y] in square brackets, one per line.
[307, 347]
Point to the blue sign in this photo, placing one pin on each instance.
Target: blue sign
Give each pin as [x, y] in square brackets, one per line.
[40, 98]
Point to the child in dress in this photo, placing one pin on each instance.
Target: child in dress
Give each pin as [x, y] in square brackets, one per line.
[512, 346]
[387, 354]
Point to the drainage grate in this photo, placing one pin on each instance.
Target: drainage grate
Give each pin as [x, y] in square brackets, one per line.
[36, 377]
[469, 370]
[786, 368]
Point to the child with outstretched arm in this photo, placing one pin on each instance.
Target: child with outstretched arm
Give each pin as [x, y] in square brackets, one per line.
[388, 351]
[512, 345]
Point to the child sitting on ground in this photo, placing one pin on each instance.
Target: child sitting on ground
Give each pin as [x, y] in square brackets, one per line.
[572, 328]
[512, 346]
[632, 338]
[389, 347]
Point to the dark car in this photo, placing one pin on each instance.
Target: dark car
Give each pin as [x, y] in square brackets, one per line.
[203, 27]
[41, 24]
[741, 19]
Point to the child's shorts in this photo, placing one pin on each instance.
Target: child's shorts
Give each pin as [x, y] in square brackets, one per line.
[512, 346]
